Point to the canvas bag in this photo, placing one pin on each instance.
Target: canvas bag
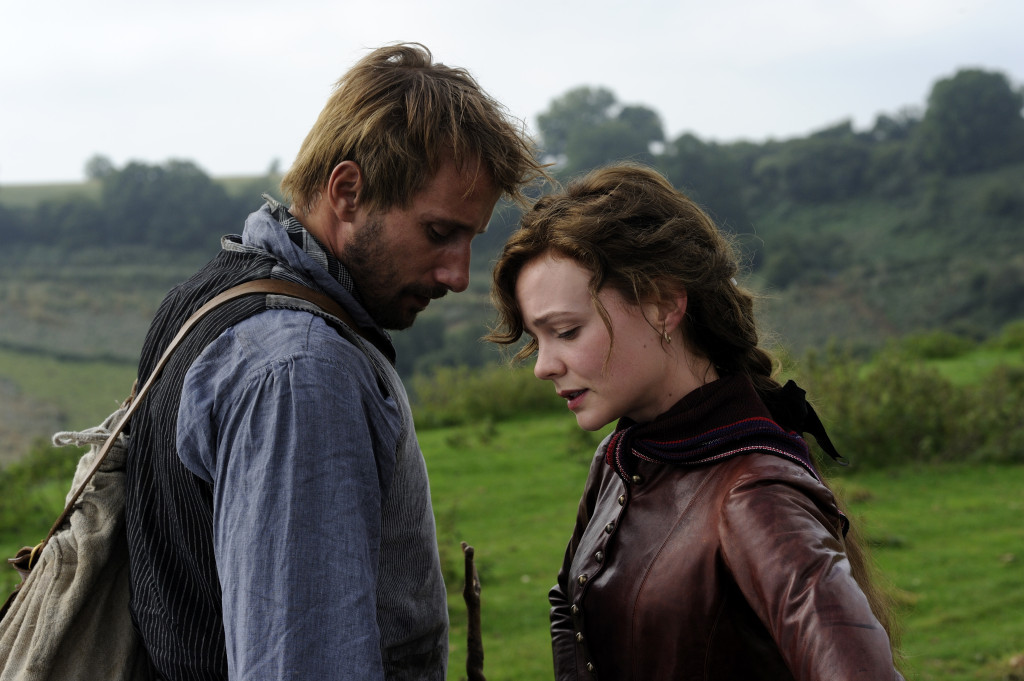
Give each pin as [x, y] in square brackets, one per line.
[69, 618]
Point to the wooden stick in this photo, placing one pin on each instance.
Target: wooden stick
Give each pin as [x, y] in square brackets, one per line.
[475, 641]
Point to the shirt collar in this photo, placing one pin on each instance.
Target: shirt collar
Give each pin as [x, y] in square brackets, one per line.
[302, 238]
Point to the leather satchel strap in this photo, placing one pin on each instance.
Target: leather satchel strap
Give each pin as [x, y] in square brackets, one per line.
[263, 286]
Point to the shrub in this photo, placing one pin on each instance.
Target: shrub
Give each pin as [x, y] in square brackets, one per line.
[450, 396]
[934, 345]
[1011, 337]
[994, 420]
[897, 410]
[32, 494]
[1003, 200]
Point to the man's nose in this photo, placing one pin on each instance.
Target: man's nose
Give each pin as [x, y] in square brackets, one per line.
[454, 271]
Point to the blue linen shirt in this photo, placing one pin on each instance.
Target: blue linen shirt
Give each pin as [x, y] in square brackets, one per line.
[323, 529]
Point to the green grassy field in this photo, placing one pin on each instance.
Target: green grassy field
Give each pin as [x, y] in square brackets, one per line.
[949, 539]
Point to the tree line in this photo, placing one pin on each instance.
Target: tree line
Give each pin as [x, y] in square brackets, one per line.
[174, 205]
[972, 123]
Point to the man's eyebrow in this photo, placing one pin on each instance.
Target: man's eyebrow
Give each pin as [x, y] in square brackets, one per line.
[453, 224]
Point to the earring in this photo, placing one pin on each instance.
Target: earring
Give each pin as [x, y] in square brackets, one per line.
[667, 337]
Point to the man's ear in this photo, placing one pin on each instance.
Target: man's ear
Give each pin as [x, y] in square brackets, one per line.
[344, 188]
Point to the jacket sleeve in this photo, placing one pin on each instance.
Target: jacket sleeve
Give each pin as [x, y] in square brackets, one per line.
[298, 460]
[563, 632]
[562, 641]
[781, 540]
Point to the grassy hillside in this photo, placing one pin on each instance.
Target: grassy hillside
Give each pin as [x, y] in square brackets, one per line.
[946, 255]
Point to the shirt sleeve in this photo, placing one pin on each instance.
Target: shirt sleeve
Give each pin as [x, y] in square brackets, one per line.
[782, 543]
[298, 446]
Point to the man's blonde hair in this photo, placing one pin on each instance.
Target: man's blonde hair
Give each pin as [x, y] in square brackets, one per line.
[399, 116]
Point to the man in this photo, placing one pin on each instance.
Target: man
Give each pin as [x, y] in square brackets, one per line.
[278, 512]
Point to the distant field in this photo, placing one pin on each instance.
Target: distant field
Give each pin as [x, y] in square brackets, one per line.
[28, 195]
[966, 369]
[43, 394]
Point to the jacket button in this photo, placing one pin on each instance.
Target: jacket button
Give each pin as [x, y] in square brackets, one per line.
[579, 637]
[638, 479]
[575, 609]
[599, 556]
[582, 579]
[609, 527]
[590, 667]
[622, 500]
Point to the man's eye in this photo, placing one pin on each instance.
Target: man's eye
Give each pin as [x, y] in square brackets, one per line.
[438, 236]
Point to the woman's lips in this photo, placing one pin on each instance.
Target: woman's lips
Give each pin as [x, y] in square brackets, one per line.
[574, 397]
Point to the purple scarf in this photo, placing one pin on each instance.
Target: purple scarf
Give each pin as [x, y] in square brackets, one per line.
[717, 421]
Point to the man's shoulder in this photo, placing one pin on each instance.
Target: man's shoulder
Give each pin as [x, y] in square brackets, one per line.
[287, 334]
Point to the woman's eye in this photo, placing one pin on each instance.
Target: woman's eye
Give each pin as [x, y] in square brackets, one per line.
[571, 333]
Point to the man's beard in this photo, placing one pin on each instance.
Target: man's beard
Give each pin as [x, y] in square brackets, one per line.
[377, 278]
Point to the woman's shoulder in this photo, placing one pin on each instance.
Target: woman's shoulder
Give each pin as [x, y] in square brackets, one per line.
[765, 478]
[763, 468]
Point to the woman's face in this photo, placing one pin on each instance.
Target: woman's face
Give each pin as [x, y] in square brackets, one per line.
[639, 379]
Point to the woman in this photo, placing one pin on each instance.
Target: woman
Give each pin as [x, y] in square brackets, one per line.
[706, 545]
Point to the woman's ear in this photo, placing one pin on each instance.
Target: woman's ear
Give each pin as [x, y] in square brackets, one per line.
[671, 310]
[343, 189]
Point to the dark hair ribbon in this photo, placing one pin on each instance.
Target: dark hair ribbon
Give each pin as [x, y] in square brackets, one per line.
[791, 410]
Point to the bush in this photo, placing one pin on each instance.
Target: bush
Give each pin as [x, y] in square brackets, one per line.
[894, 412]
[1011, 337]
[934, 345]
[897, 411]
[1003, 200]
[994, 421]
[454, 396]
[32, 493]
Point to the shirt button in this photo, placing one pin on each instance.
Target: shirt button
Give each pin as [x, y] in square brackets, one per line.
[638, 479]
[590, 667]
[622, 500]
[599, 556]
[579, 637]
[575, 609]
[609, 527]
[582, 579]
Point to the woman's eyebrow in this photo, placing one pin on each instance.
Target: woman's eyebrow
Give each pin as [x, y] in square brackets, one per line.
[546, 318]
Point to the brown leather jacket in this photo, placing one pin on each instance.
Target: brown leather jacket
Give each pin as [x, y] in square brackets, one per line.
[729, 571]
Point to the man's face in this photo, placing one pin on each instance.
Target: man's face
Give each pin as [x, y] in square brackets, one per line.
[403, 258]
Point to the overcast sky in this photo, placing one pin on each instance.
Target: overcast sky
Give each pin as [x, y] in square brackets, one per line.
[234, 85]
